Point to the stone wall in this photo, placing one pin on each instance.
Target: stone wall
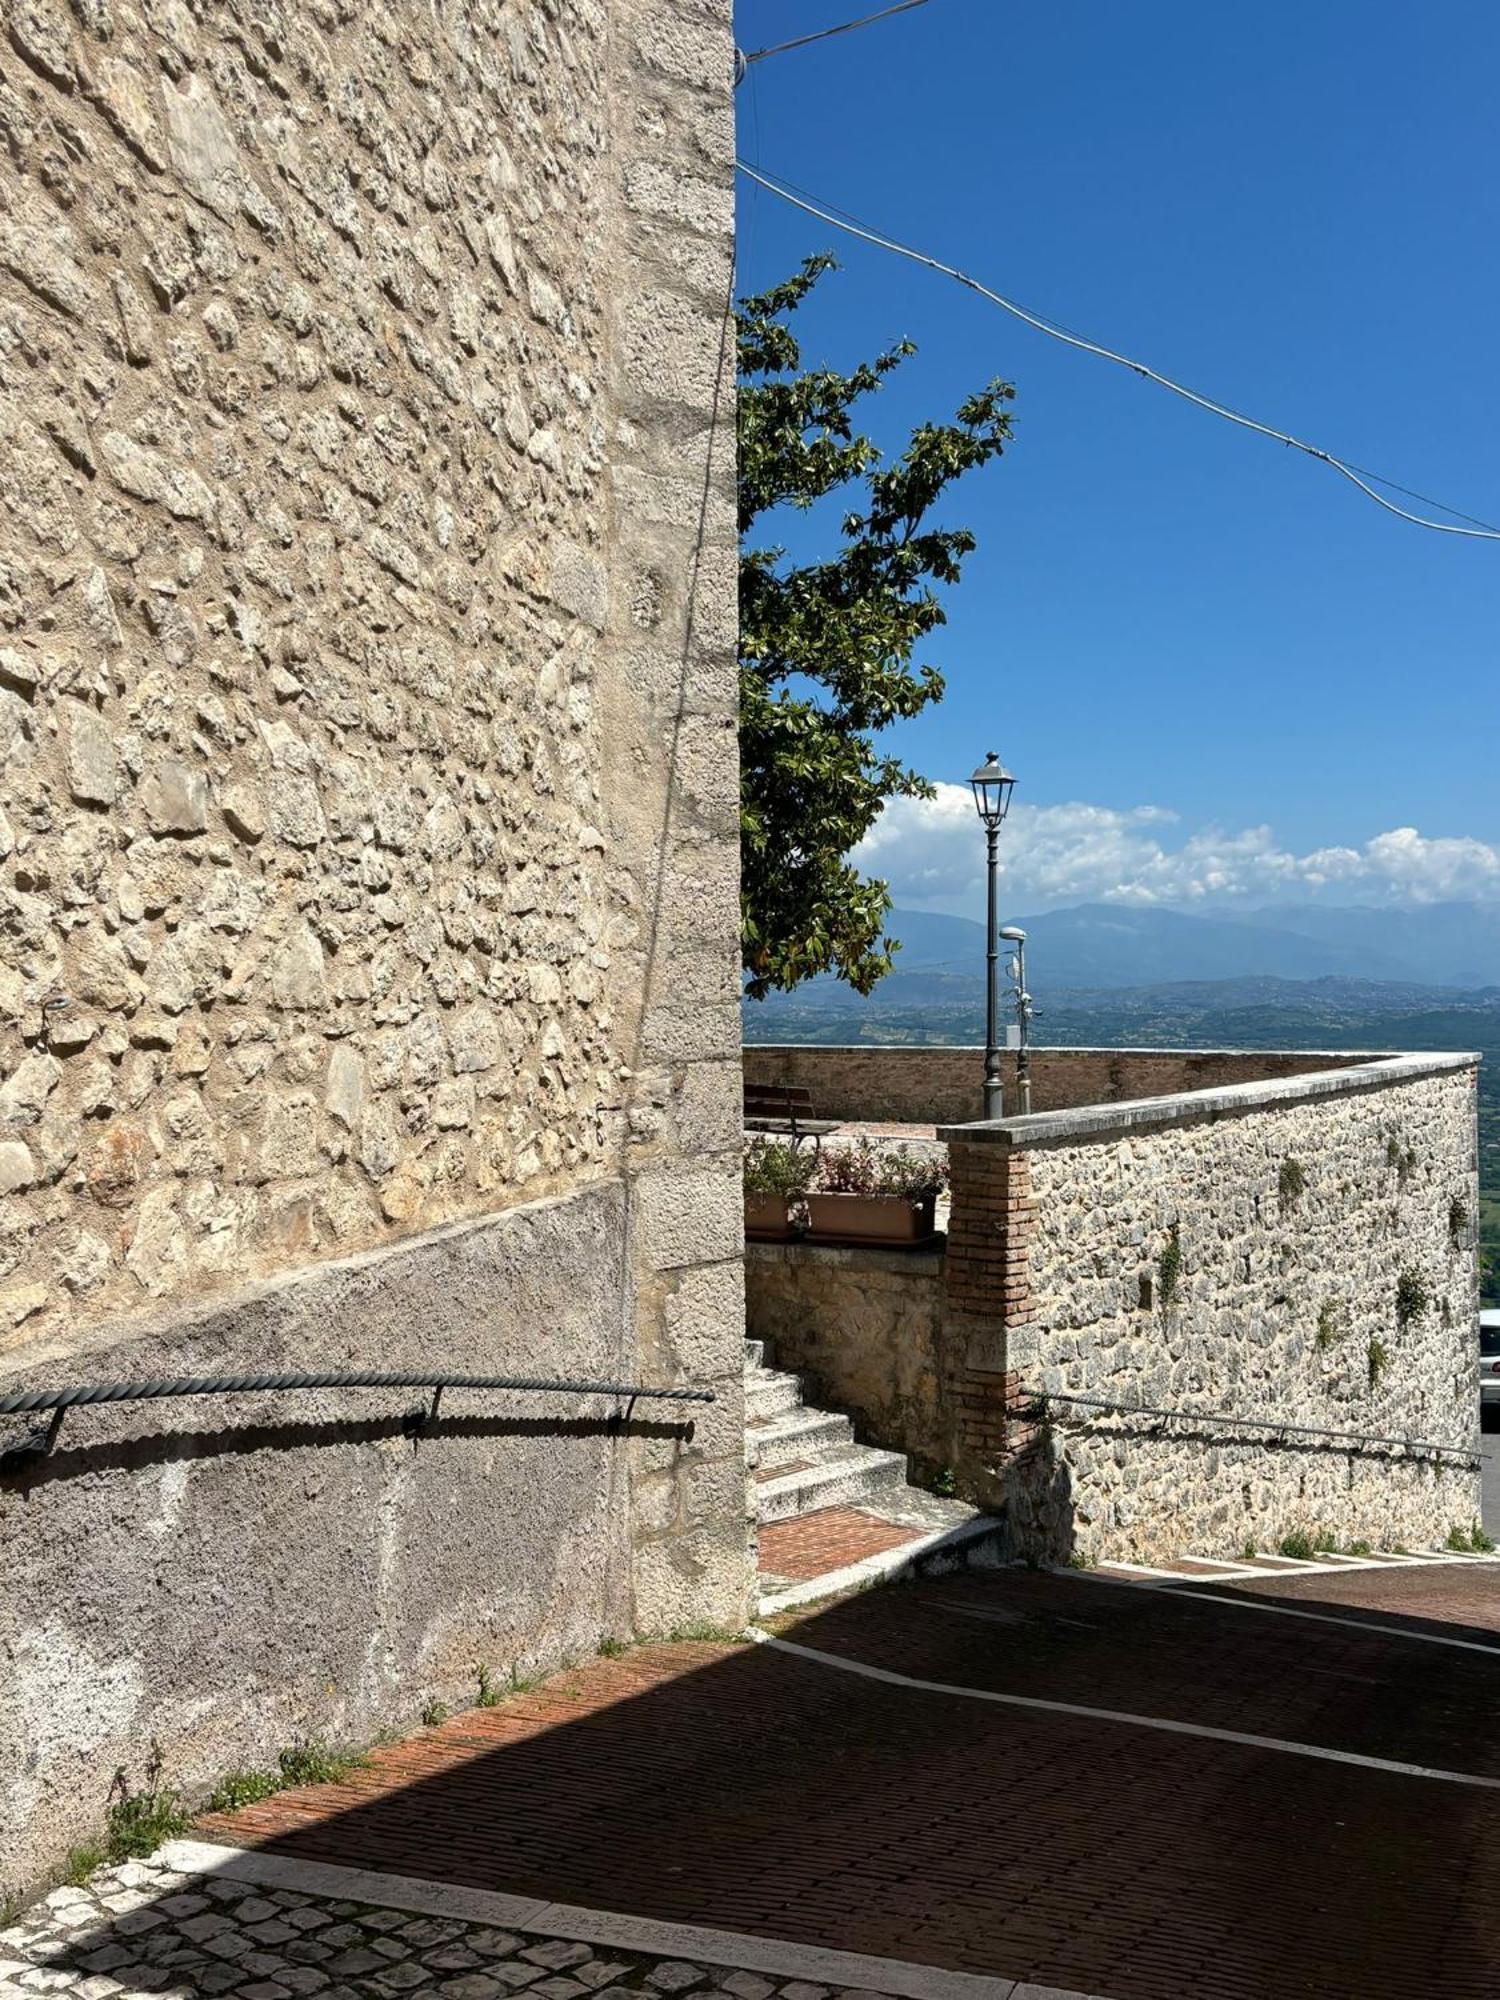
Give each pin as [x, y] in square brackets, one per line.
[367, 833]
[1302, 1250]
[920, 1085]
[867, 1325]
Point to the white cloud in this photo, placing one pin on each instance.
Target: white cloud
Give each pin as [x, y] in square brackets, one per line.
[931, 851]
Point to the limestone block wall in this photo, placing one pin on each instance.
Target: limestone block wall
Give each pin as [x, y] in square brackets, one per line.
[367, 830]
[921, 1085]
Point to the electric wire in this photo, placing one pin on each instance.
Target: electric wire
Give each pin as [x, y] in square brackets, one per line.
[1359, 476]
[827, 34]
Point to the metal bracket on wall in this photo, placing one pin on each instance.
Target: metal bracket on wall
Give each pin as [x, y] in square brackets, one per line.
[38, 1445]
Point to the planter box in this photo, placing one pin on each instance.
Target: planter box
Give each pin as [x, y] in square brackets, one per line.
[870, 1218]
[768, 1218]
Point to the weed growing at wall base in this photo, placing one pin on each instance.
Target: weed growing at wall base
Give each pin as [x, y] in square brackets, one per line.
[243, 1788]
[1469, 1541]
[136, 1824]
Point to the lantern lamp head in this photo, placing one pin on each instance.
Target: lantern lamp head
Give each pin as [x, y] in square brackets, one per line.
[993, 785]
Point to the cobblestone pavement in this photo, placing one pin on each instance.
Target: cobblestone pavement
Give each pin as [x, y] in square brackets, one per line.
[768, 1793]
[143, 1929]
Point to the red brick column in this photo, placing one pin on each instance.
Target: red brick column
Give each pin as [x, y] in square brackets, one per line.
[988, 1302]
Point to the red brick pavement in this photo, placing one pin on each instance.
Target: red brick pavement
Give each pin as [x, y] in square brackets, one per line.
[1443, 1595]
[749, 1789]
[834, 1537]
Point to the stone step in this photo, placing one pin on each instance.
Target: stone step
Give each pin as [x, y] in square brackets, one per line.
[795, 1436]
[768, 1391]
[755, 1354]
[852, 1477]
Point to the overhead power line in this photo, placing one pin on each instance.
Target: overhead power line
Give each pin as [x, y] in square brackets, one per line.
[827, 34]
[1359, 476]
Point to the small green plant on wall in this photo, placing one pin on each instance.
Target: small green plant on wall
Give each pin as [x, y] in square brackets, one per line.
[1377, 1360]
[1458, 1220]
[1291, 1182]
[1412, 1296]
[1333, 1323]
[1169, 1268]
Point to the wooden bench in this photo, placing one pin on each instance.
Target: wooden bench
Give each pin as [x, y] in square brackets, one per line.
[782, 1107]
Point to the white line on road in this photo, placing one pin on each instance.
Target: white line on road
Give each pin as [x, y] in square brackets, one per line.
[1198, 1595]
[1157, 1722]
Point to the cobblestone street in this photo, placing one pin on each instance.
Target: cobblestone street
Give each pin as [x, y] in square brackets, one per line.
[149, 1929]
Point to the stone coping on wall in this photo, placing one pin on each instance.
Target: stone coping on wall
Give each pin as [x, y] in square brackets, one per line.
[926, 1263]
[1091, 1121]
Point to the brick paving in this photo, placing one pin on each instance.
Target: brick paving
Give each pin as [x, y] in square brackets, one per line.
[1441, 1597]
[759, 1792]
[145, 1929]
[830, 1539]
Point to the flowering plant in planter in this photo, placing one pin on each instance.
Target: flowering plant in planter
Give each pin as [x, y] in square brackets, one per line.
[777, 1173]
[872, 1194]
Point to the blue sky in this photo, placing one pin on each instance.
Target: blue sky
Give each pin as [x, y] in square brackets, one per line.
[1187, 631]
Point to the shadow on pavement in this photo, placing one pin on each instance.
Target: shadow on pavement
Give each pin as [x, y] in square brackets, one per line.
[757, 1791]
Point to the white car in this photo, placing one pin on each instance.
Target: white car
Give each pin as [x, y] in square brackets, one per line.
[1489, 1370]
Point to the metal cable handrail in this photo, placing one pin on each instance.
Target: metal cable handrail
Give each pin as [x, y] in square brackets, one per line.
[152, 1388]
[1278, 1424]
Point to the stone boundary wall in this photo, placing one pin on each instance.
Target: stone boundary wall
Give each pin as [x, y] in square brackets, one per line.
[368, 854]
[1322, 1230]
[922, 1085]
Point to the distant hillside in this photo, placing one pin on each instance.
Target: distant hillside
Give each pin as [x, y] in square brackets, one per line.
[1443, 944]
[1097, 945]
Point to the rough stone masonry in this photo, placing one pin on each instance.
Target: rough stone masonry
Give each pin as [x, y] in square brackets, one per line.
[367, 842]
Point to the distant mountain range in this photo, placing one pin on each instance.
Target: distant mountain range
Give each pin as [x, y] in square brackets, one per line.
[1100, 945]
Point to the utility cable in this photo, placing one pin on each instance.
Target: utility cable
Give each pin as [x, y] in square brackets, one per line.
[827, 34]
[1477, 530]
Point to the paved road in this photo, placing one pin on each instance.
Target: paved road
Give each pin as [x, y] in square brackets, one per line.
[1144, 1794]
[1490, 1445]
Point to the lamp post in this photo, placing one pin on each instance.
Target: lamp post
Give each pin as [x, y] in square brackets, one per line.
[1017, 971]
[993, 785]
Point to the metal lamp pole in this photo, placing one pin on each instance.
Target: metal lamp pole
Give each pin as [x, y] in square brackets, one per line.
[1017, 970]
[993, 785]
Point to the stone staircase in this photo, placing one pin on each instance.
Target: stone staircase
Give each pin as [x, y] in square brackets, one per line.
[805, 1466]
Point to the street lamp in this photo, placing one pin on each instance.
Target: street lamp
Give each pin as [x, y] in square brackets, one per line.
[1017, 972]
[993, 785]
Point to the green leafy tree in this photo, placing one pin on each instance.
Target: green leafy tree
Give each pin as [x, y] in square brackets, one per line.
[827, 648]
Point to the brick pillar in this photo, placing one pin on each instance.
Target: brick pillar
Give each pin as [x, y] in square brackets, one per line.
[988, 1306]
